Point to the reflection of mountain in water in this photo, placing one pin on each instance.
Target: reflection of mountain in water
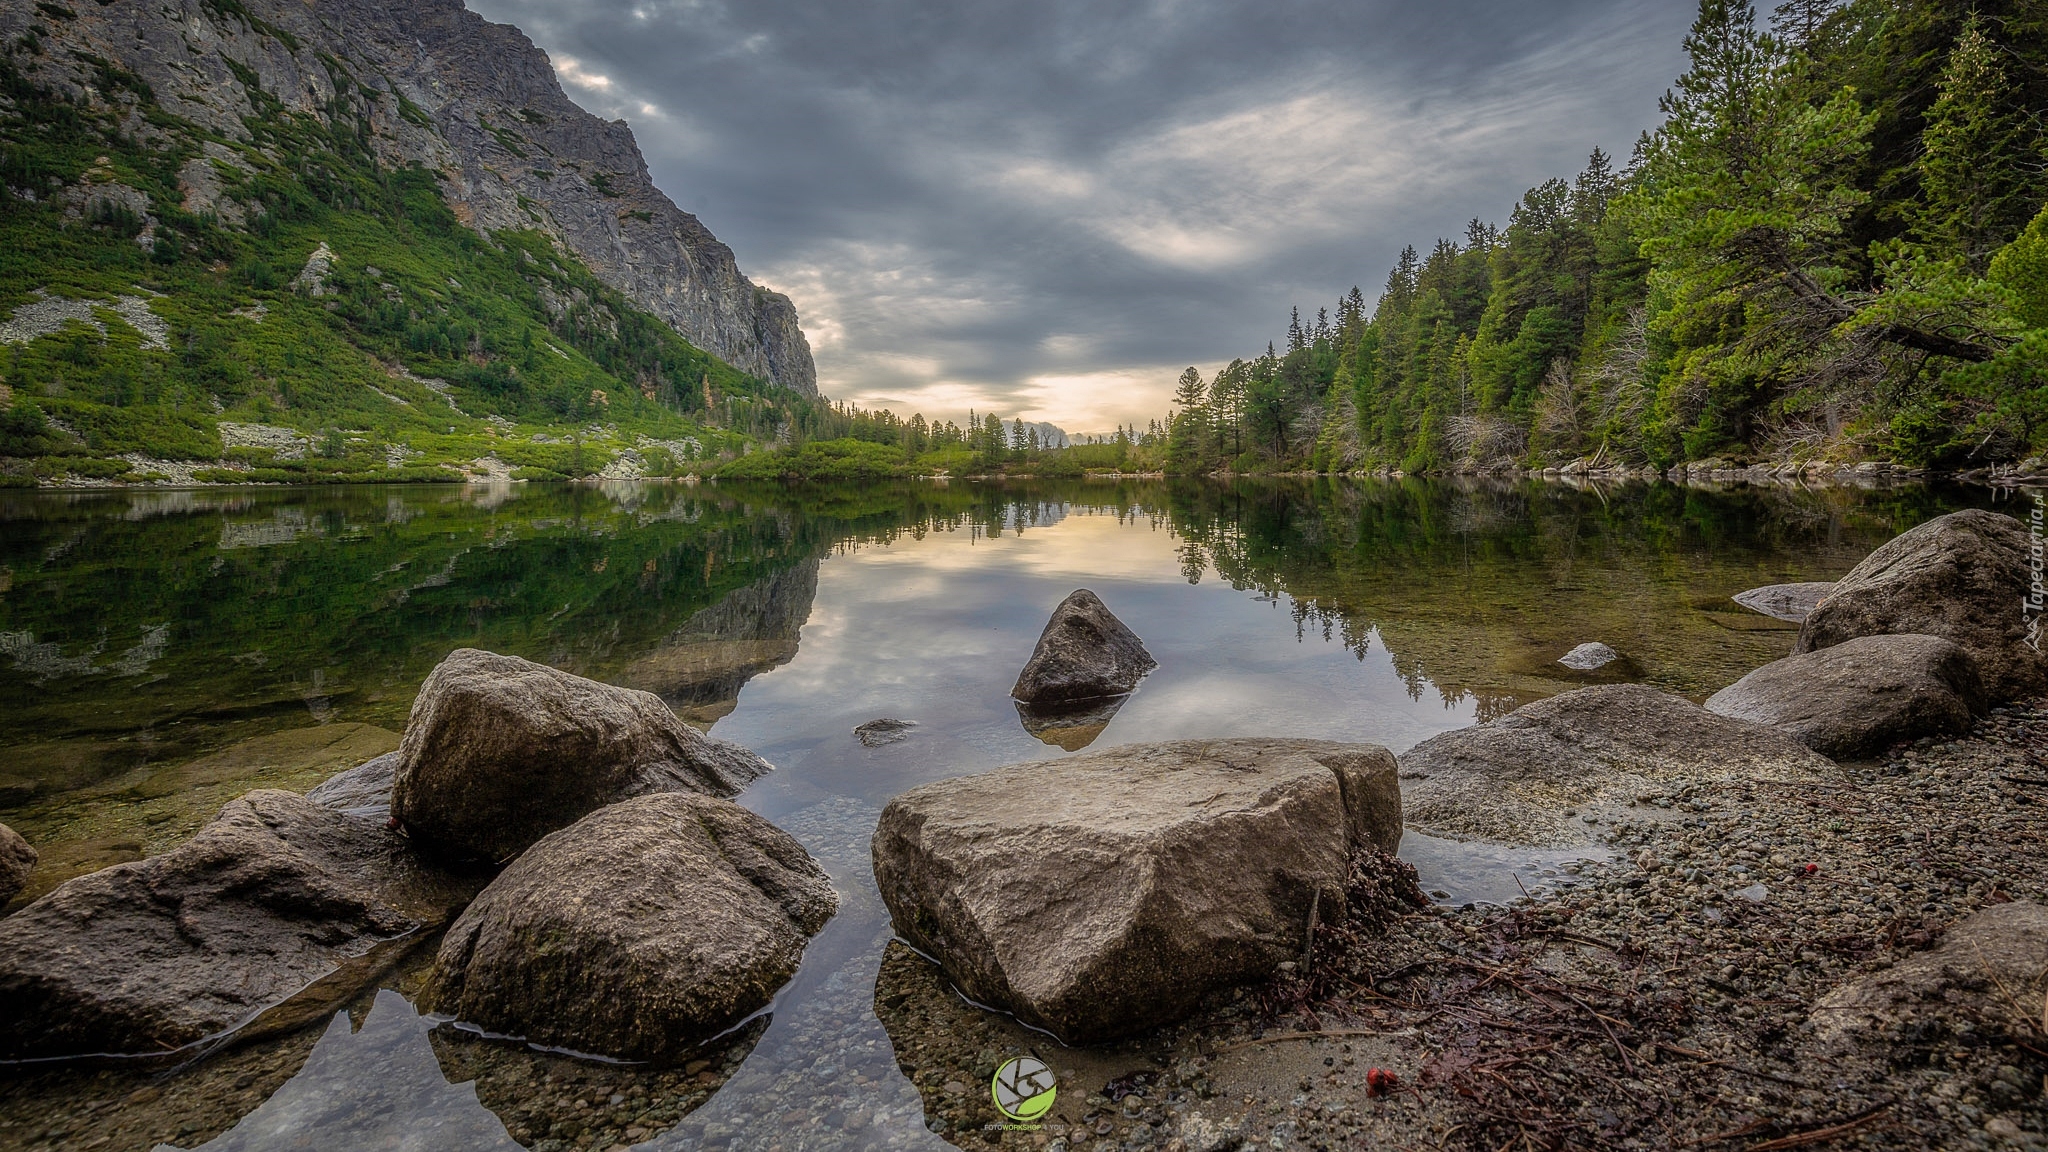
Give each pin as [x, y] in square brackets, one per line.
[701, 668]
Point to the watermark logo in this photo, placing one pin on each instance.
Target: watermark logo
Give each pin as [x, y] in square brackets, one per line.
[1024, 1089]
[2037, 561]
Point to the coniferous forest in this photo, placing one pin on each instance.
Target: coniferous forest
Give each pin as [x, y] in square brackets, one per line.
[1834, 247]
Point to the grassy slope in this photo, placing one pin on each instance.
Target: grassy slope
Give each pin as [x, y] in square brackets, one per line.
[442, 303]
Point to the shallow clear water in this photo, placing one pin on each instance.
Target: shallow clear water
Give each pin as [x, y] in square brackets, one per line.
[159, 658]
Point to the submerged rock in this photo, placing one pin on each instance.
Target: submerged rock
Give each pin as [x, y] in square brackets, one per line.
[277, 896]
[1589, 657]
[1085, 653]
[1103, 894]
[1861, 696]
[876, 733]
[1990, 969]
[1070, 727]
[367, 785]
[1962, 577]
[636, 932]
[17, 860]
[1790, 602]
[500, 751]
[1521, 778]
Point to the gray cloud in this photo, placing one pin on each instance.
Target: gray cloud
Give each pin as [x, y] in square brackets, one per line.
[1050, 207]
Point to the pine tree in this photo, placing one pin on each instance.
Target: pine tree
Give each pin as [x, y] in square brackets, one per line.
[1296, 338]
[1973, 162]
[1802, 21]
[1188, 393]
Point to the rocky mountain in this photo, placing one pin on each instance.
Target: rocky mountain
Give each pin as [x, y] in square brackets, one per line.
[421, 84]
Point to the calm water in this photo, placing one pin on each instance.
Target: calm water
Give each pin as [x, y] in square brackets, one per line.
[161, 653]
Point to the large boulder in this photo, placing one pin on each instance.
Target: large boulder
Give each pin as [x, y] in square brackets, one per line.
[1963, 577]
[273, 897]
[1789, 602]
[1860, 696]
[1533, 775]
[1085, 653]
[1991, 969]
[1103, 894]
[501, 751]
[637, 932]
[17, 860]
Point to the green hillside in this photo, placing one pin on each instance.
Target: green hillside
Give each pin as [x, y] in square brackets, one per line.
[139, 341]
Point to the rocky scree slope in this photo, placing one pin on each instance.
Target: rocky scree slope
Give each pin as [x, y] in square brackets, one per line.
[442, 88]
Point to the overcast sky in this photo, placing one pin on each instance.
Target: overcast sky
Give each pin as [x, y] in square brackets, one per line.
[1048, 208]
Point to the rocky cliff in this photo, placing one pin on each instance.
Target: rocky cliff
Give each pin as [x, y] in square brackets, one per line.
[437, 86]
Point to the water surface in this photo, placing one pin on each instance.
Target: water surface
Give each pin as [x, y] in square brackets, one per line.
[162, 652]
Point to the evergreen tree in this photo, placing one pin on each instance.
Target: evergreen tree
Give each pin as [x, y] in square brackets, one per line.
[1974, 165]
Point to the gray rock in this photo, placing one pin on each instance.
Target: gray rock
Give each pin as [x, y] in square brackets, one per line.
[1589, 657]
[1963, 577]
[876, 733]
[473, 102]
[1861, 696]
[368, 785]
[636, 932]
[1991, 968]
[1085, 653]
[1103, 894]
[17, 860]
[1513, 779]
[1793, 602]
[278, 897]
[500, 751]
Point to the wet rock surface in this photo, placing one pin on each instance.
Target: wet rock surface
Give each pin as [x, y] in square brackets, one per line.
[1545, 773]
[367, 785]
[273, 897]
[1103, 894]
[17, 860]
[636, 933]
[1789, 602]
[500, 751]
[1861, 696]
[1070, 727]
[1962, 577]
[885, 731]
[1085, 653]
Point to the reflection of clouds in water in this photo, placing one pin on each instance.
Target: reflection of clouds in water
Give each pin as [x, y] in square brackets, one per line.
[380, 1087]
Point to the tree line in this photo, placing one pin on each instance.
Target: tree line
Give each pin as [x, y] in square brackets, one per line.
[1833, 246]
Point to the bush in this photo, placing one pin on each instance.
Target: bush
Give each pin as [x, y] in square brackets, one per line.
[823, 462]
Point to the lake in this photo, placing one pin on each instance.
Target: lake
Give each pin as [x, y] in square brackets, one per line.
[162, 652]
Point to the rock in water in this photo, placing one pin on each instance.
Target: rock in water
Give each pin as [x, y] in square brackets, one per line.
[877, 733]
[1515, 779]
[1106, 893]
[1073, 726]
[501, 751]
[1861, 696]
[1589, 657]
[636, 932]
[1990, 969]
[1084, 653]
[273, 895]
[17, 860]
[1962, 577]
[1793, 602]
[368, 785]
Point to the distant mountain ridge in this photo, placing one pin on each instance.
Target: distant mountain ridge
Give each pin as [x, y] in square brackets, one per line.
[475, 103]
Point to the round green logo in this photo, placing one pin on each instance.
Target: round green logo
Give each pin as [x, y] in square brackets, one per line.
[1024, 1088]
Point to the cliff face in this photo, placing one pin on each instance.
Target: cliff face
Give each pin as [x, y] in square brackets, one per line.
[441, 87]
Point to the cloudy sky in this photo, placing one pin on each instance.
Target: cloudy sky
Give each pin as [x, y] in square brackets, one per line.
[1048, 208]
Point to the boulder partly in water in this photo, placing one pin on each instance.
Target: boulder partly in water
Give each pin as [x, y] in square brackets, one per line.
[1103, 894]
[1963, 577]
[1531, 776]
[1789, 602]
[276, 895]
[501, 751]
[1861, 696]
[639, 931]
[367, 785]
[17, 860]
[1085, 653]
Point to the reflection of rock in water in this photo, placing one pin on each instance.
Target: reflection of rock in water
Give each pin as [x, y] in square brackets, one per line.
[702, 667]
[535, 1094]
[1073, 726]
[380, 1087]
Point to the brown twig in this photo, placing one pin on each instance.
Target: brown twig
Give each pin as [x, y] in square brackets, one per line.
[1823, 1135]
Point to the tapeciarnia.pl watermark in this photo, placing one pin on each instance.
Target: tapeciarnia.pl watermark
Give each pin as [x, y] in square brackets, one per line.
[2037, 561]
